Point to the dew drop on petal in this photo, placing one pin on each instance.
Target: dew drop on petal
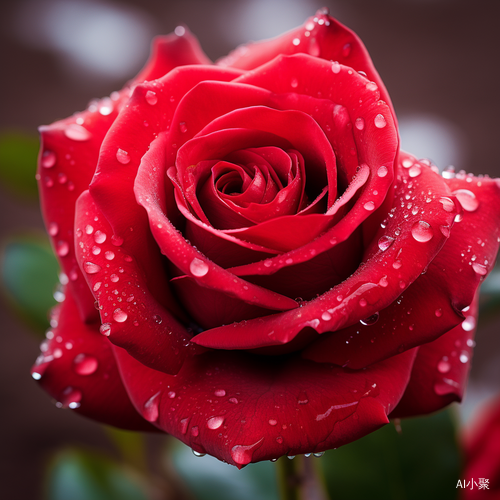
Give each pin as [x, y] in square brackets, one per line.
[469, 323]
[116, 240]
[195, 431]
[294, 83]
[369, 205]
[183, 127]
[220, 393]
[415, 170]
[445, 231]
[359, 123]
[120, 316]
[198, 268]
[385, 242]
[242, 455]
[198, 453]
[76, 132]
[326, 316]
[479, 269]
[105, 329]
[422, 231]
[371, 320]
[184, 425]
[464, 357]
[62, 248]
[48, 159]
[109, 255]
[151, 97]
[335, 67]
[122, 156]
[150, 411]
[467, 199]
[272, 421]
[444, 365]
[70, 398]
[215, 422]
[448, 205]
[380, 121]
[371, 86]
[438, 312]
[91, 268]
[382, 171]
[99, 237]
[85, 364]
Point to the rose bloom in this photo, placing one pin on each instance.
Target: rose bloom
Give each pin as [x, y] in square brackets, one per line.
[250, 263]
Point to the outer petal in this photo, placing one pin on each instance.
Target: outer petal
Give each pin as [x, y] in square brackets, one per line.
[242, 408]
[77, 368]
[171, 51]
[131, 316]
[476, 238]
[432, 304]
[320, 36]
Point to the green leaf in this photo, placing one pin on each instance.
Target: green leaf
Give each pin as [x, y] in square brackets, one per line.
[210, 479]
[18, 160]
[131, 446]
[422, 462]
[29, 272]
[83, 475]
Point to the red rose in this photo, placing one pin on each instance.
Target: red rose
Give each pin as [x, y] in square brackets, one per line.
[264, 261]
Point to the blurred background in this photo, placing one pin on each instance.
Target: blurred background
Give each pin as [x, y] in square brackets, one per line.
[438, 59]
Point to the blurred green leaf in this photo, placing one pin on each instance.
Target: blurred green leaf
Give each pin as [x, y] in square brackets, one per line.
[422, 462]
[83, 475]
[130, 444]
[29, 276]
[18, 160]
[209, 479]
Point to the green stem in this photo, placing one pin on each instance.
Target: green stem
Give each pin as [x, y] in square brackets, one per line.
[290, 477]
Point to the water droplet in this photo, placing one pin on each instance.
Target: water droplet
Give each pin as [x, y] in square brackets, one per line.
[242, 455]
[479, 269]
[335, 67]
[62, 248]
[171, 394]
[294, 83]
[302, 399]
[415, 171]
[198, 268]
[120, 316]
[383, 281]
[464, 357]
[371, 320]
[194, 431]
[220, 393]
[116, 241]
[150, 411]
[106, 106]
[363, 302]
[444, 365]
[397, 264]
[180, 31]
[279, 440]
[371, 86]
[105, 329]
[319, 454]
[233, 400]
[448, 205]
[469, 323]
[382, 171]
[183, 127]
[158, 319]
[89, 229]
[184, 425]
[467, 199]
[122, 156]
[48, 159]
[109, 255]
[438, 312]
[84, 364]
[77, 133]
[326, 316]
[296, 41]
[359, 123]
[422, 231]
[70, 398]
[369, 205]
[91, 268]
[385, 242]
[99, 237]
[151, 97]
[445, 231]
[198, 453]
[215, 422]
[114, 278]
[471, 343]
[380, 121]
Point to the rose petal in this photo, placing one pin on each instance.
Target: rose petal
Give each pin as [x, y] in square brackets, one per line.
[149, 188]
[78, 369]
[130, 315]
[246, 408]
[169, 52]
[373, 287]
[441, 369]
[320, 36]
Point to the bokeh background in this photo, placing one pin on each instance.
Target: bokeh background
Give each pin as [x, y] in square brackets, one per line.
[438, 59]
